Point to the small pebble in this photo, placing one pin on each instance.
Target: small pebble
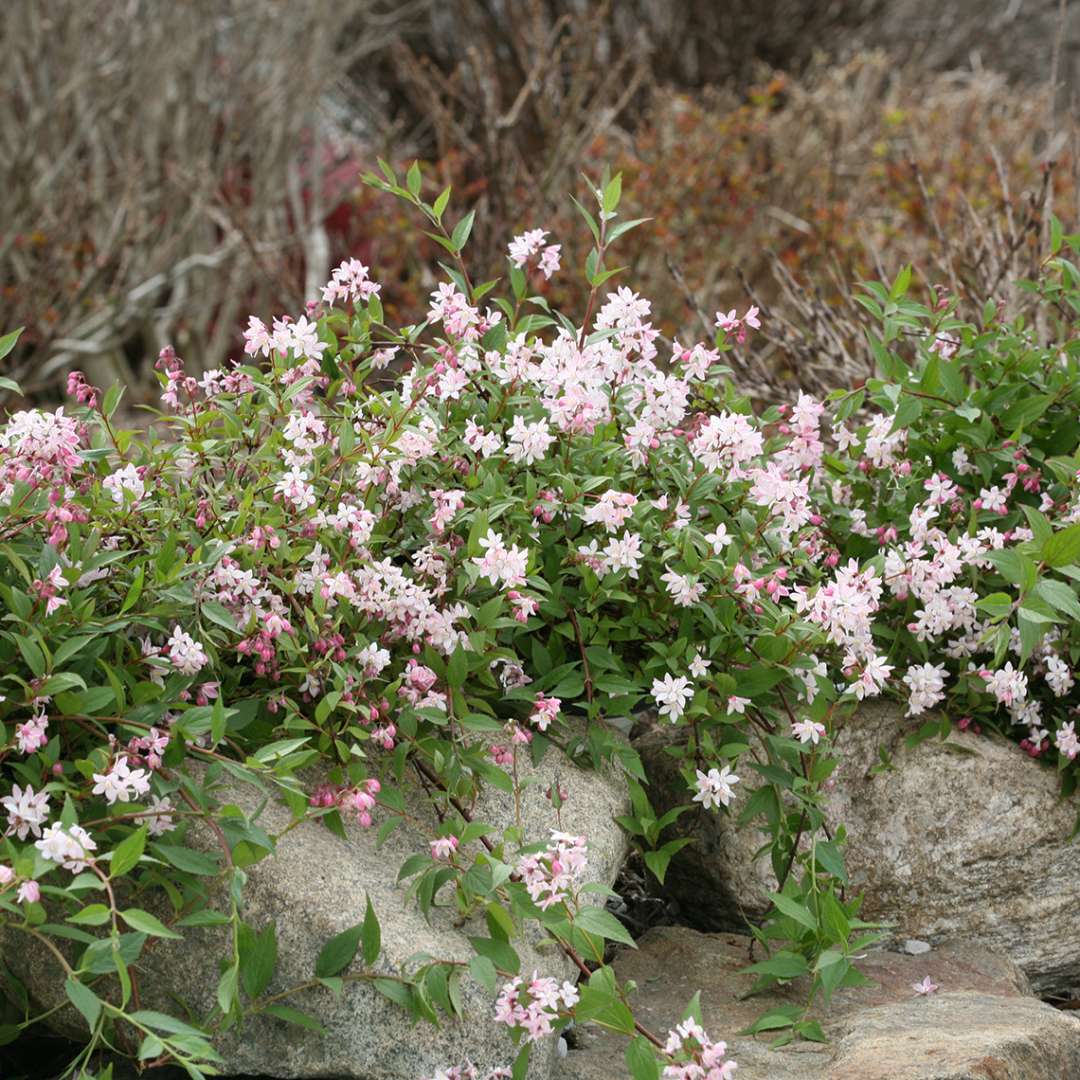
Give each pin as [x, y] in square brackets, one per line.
[914, 947]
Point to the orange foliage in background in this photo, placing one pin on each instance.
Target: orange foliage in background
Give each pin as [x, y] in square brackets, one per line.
[845, 174]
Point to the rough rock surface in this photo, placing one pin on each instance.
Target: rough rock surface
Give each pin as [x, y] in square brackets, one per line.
[982, 1024]
[314, 887]
[963, 838]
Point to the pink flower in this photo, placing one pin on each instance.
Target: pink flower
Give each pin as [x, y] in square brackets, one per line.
[33, 734]
[444, 847]
[553, 875]
[695, 1056]
[29, 893]
[545, 709]
[927, 986]
[533, 1007]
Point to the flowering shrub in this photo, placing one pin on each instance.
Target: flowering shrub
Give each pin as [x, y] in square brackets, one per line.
[507, 532]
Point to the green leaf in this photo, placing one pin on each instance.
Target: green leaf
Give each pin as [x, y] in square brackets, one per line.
[150, 1047]
[35, 659]
[774, 1020]
[1063, 548]
[192, 862]
[658, 861]
[520, 1068]
[597, 920]
[641, 1060]
[462, 230]
[441, 201]
[457, 669]
[1060, 596]
[794, 910]
[602, 1007]
[64, 680]
[338, 953]
[395, 991]
[91, 915]
[295, 1016]
[146, 923]
[7, 343]
[85, 1000]
[217, 721]
[370, 935]
[997, 605]
[483, 971]
[226, 990]
[612, 194]
[67, 649]
[127, 853]
[589, 219]
[781, 965]
[907, 412]
[134, 589]
[164, 1022]
[112, 399]
[901, 284]
[413, 178]
[624, 227]
[258, 958]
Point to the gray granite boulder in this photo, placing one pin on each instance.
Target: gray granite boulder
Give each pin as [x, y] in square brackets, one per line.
[314, 887]
[980, 1024]
[963, 838]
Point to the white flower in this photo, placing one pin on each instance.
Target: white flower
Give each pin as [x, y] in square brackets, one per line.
[683, 589]
[1067, 741]
[808, 731]
[121, 782]
[500, 563]
[623, 553]
[162, 821]
[528, 442]
[71, 847]
[699, 666]
[927, 684]
[294, 487]
[186, 653]
[736, 704]
[1058, 676]
[672, 695]
[125, 479]
[26, 811]
[716, 787]
[718, 539]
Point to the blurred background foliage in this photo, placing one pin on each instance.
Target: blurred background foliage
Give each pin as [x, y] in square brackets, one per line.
[168, 168]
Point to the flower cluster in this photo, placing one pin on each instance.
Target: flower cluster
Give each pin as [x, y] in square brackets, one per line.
[525, 247]
[534, 1006]
[554, 875]
[695, 1056]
